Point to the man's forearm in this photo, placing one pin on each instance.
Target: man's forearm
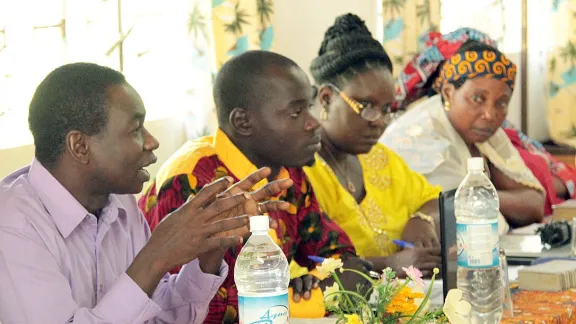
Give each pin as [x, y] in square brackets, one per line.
[146, 270]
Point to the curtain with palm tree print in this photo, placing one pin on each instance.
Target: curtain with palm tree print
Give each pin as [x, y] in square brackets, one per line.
[405, 22]
[562, 73]
[241, 25]
[200, 115]
[219, 30]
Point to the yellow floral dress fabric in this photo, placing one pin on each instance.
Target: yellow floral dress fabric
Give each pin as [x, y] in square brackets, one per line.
[393, 193]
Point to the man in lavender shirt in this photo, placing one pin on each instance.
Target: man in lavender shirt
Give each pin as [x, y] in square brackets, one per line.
[74, 247]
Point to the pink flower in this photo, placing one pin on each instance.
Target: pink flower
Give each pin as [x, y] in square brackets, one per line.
[415, 275]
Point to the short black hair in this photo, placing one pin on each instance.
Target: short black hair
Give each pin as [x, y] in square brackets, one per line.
[72, 97]
[241, 81]
[348, 48]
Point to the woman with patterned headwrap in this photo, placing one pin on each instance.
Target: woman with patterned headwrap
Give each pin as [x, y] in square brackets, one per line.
[361, 185]
[438, 135]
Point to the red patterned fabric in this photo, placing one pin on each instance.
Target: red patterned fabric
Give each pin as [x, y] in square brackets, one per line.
[302, 231]
[543, 165]
[540, 307]
[412, 83]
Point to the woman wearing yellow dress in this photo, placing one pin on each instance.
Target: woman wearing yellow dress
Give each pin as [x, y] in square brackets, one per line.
[363, 186]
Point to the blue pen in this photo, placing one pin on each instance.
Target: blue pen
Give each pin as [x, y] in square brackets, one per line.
[316, 259]
[403, 244]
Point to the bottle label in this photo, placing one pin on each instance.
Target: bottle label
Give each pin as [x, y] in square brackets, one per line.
[478, 245]
[263, 309]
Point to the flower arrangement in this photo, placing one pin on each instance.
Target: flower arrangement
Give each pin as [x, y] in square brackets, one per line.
[388, 299]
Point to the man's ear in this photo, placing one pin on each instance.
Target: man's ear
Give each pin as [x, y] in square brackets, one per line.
[241, 121]
[78, 146]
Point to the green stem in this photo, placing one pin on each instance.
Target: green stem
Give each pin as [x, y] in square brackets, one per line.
[367, 295]
[361, 274]
[426, 298]
[342, 289]
[406, 282]
[389, 291]
[361, 300]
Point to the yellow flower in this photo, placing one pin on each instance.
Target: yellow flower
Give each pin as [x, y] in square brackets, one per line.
[404, 302]
[353, 319]
[329, 266]
[332, 300]
[456, 309]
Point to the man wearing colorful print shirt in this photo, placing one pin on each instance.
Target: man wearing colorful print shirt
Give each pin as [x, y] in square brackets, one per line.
[263, 102]
[75, 248]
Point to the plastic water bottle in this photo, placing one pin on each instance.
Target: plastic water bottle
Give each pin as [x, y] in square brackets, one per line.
[477, 206]
[262, 276]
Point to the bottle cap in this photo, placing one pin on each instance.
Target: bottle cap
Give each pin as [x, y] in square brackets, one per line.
[476, 164]
[259, 223]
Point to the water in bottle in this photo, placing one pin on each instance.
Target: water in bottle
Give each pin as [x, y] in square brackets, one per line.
[262, 276]
[476, 206]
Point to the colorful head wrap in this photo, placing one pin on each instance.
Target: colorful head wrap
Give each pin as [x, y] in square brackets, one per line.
[410, 85]
[467, 65]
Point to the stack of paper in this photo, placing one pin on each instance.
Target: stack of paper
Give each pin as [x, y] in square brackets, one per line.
[557, 275]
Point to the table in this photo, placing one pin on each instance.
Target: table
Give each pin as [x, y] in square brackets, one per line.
[543, 307]
[529, 306]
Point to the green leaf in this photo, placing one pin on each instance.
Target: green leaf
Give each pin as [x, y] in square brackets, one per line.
[197, 23]
[264, 8]
[392, 6]
[240, 19]
[423, 12]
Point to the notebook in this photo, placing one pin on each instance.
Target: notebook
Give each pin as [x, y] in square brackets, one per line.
[556, 275]
[564, 211]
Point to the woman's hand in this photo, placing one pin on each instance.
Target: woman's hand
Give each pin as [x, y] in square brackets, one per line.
[420, 233]
[425, 259]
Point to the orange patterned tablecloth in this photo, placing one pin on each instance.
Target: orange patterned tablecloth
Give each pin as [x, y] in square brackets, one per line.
[543, 307]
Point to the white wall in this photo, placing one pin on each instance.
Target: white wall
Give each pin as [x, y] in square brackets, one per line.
[300, 24]
[299, 32]
[300, 27]
[169, 132]
[538, 45]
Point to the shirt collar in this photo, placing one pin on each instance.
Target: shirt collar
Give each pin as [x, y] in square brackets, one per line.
[236, 161]
[65, 210]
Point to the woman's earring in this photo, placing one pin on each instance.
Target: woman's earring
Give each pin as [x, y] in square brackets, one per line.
[323, 114]
[447, 106]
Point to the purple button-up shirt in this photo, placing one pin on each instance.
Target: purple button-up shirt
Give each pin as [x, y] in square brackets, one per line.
[60, 264]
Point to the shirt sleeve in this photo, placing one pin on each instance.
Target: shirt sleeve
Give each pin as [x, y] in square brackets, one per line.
[35, 291]
[156, 204]
[184, 297]
[310, 231]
